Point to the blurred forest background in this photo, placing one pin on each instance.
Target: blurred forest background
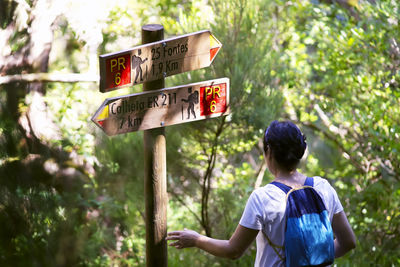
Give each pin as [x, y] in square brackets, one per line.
[71, 196]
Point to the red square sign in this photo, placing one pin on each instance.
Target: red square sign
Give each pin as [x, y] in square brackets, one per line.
[213, 99]
[118, 71]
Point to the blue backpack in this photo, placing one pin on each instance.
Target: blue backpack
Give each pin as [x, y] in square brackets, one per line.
[308, 233]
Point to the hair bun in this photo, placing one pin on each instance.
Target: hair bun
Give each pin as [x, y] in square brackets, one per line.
[294, 154]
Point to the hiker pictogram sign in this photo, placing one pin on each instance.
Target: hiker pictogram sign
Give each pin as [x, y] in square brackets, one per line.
[157, 60]
[164, 107]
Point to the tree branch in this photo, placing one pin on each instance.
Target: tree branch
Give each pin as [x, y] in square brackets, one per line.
[50, 77]
[260, 174]
[331, 137]
[207, 180]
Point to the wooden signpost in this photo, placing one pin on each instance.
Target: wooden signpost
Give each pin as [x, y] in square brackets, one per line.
[158, 107]
[157, 60]
[163, 107]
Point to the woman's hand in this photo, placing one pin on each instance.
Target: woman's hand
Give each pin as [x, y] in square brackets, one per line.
[232, 248]
[184, 239]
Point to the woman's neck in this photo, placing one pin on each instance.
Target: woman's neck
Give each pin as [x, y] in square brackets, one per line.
[291, 178]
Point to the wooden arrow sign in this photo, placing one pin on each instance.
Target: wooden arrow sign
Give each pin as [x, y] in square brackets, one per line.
[168, 106]
[157, 60]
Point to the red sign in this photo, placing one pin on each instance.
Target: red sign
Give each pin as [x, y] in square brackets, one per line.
[213, 99]
[119, 70]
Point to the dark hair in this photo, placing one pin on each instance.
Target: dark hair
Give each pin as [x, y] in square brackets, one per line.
[286, 142]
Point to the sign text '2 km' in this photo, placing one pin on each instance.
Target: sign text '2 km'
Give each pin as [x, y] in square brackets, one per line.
[164, 107]
[156, 60]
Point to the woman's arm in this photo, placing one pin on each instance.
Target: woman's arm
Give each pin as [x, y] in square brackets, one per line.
[345, 239]
[232, 248]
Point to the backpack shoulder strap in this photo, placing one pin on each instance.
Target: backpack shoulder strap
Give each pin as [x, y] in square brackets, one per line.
[286, 189]
[276, 248]
[309, 181]
[283, 187]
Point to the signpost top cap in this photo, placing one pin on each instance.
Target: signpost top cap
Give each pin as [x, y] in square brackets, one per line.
[152, 27]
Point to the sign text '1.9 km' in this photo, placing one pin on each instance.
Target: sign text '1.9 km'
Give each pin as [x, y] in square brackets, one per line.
[157, 60]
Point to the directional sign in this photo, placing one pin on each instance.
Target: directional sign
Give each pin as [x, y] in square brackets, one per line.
[168, 106]
[157, 60]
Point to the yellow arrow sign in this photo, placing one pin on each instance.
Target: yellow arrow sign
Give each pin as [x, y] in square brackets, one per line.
[164, 107]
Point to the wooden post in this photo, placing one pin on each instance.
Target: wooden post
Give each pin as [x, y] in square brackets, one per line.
[155, 171]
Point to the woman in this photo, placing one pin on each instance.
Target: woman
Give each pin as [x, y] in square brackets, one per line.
[284, 146]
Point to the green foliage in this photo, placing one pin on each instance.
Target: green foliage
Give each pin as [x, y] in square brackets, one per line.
[6, 13]
[346, 77]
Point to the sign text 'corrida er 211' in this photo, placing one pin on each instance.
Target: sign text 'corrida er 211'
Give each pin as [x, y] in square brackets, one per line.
[164, 107]
[156, 60]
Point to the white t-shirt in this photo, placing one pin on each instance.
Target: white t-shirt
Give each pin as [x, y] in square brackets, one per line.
[265, 210]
